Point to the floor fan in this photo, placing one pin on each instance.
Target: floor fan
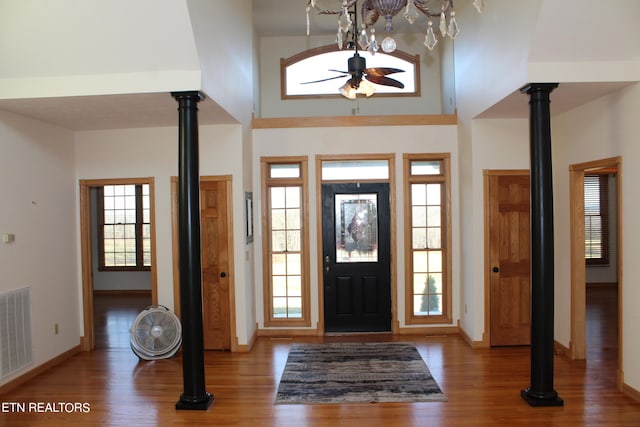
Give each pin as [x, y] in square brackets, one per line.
[156, 333]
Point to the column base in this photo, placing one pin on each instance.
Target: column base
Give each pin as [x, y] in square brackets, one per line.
[197, 404]
[534, 398]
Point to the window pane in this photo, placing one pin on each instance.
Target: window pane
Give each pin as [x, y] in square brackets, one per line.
[295, 307]
[426, 167]
[277, 197]
[293, 197]
[293, 241]
[355, 169]
[294, 264]
[291, 170]
[278, 241]
[279, 286]
[420, 263]
[434, 216]
[278, 219]
[418, 194]
[280, 307]
[435, 261]
[420, 283]
[419, 216]
[434, 238]
[433, 194]
[419, 238]
[356, 227]
[293, 219]
[278, 264]
[294, 286]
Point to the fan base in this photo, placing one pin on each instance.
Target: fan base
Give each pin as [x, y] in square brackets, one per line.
[200, 404]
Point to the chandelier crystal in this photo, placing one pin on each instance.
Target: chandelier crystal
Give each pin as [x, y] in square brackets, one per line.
[372, 10]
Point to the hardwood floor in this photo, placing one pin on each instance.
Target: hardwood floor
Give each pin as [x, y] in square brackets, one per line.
[482, 387]
[113, 316]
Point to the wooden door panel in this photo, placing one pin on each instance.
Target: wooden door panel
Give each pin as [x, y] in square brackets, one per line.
[509, 255]
[215, 267]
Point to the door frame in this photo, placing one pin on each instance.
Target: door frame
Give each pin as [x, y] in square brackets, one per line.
[487, 173]
[578, 342]
[175, 250]
[87, 340]
[391, 158]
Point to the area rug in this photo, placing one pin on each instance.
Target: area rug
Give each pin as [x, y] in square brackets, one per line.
[356, 373]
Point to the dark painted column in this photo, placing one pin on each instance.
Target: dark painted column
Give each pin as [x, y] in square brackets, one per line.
[541, 392]
[194, 396]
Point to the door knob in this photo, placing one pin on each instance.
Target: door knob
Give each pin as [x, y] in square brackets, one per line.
[223, 274]
[495, 269]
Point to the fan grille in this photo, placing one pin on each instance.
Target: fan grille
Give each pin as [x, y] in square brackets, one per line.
[156, 333]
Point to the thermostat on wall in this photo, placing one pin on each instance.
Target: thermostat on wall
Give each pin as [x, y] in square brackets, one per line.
[8, 237]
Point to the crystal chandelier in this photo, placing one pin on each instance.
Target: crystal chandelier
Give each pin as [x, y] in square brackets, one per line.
[372, 10]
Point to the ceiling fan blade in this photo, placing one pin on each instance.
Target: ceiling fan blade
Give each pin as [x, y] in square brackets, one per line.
[382, 71]
[324, 80]
[385, 81]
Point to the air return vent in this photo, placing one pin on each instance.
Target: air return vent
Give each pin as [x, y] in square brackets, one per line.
[15, 331]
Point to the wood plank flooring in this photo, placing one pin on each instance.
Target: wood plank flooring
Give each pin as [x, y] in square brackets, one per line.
[482, 386]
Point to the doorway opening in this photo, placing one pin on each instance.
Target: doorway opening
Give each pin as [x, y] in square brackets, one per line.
[596, 288]
[118, 257]
[357, 271]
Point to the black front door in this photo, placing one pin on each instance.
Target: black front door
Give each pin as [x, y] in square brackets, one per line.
[356, 257]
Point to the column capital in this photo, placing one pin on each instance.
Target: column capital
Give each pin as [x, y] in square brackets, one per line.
[191, 94]
[538, 87]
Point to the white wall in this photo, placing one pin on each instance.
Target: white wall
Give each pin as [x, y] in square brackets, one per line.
[37, 191]
[497, 144]
[605, 128]
[357, 140]
[153, 152]
[224, 40]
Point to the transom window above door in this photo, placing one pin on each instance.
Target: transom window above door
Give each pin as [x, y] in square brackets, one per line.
[326, 67]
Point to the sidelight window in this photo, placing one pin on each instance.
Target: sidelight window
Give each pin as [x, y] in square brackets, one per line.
[427, 231]
[285, 245]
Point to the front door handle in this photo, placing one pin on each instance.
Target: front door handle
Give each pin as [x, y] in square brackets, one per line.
[495, 269]
[223, 274]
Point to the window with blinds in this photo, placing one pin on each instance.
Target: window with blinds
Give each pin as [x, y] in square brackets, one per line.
[596, 219]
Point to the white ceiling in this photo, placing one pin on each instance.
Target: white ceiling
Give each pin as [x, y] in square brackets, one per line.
[566, 97]
[112, 111]
[271, 18]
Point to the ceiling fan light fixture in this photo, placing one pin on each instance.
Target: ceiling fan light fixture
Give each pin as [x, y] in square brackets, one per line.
[367, 88]
[348, 91]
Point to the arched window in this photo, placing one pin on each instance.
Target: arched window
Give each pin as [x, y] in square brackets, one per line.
[328, 61]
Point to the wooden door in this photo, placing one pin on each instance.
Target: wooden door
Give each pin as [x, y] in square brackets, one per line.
[509, 259]
[356, 257]
[215, 265]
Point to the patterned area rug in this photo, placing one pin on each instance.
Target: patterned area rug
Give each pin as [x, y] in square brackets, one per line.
[356, 373]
